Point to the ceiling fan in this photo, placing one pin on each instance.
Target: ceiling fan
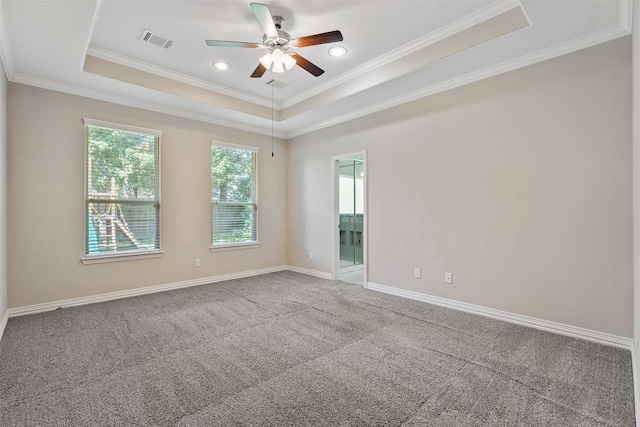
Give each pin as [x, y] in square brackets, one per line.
[280, 44]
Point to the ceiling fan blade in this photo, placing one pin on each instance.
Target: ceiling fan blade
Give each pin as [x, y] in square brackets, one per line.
[264, 19]
[309, 66]
[225, 43]
[330, 37]
[259, 71]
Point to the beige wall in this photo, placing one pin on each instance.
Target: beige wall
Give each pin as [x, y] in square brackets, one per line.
[520, 185]
[3, 195]
[46, 211]
[636, 190]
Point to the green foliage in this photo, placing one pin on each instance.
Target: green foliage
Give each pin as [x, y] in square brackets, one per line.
[231, 174]
[122, 162]
[232, 195]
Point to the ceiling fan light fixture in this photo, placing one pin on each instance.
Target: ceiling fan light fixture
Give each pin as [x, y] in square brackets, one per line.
[278, 56]
[280, 60]
[279, 42]
[266, 60]
[289, 62]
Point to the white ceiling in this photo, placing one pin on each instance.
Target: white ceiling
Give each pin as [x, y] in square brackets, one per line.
[45, 44]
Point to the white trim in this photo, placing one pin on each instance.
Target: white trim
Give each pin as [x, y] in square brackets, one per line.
[122, 127]
[237, 146]
[523, 61]
[254, 192]
[472, 77]
[491, 11]
[576, 332]
[335, 215]
[117, 58]
[5, 46]
[626, 15]
[233, 246]
[137, 103]
[94, 21]
[3, 323]
[532, 322]
[127, 256]
[636, 386]
[309, 272]
[48, 306]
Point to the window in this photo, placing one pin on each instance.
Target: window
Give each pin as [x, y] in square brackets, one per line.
[234, 209]
[122, 206]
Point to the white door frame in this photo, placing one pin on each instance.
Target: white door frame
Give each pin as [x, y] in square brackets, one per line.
[335, 214]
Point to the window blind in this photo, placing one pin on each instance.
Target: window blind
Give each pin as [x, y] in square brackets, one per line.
[234, 208]
[122, 190]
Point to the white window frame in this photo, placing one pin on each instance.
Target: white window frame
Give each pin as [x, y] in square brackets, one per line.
[241, 245]
[125, 255]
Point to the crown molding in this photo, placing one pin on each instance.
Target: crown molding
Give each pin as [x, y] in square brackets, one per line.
[626, 15]
[494, 70]
[488, 12]
[117, 58]
[624, 28]
[136, 103]
[94, 21]
[6, 54]
[523, 61]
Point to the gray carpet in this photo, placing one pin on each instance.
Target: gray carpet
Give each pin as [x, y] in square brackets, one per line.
[289, 349]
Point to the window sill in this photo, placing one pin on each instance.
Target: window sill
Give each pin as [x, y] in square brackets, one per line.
[234, 247]
[99, 259]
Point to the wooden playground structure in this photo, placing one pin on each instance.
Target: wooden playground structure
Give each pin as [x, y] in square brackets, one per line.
[106, 220]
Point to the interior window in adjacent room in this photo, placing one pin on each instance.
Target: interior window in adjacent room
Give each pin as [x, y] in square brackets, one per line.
[234, 190]
[122, 190]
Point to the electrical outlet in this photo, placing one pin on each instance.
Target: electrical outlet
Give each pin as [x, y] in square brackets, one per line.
[448, 278]
[416, 273]
[310, 255]
[197, 262]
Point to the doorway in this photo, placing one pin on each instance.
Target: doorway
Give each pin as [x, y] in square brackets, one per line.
[350, 218]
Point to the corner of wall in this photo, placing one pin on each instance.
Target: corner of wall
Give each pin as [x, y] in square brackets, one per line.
[3, 199]
[635, 53]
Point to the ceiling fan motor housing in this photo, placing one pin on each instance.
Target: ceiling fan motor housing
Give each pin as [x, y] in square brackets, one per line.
[279, 44]
[283, 37]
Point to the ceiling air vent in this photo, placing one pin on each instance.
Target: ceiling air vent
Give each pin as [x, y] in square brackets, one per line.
[277, 84]
[151, 37]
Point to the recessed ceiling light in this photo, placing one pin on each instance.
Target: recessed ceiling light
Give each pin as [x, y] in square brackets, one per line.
[337, 51]
[223, 66]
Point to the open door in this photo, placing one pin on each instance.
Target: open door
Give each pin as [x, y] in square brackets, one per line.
[349, 214]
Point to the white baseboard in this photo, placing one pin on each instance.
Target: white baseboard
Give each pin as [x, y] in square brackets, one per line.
[309, 272]
[3, 323]
[636, 386]
[532, 322]
[546, 325]
[48, 306]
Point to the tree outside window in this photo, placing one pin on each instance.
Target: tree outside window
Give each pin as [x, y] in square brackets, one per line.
[233, 195]
[122, 191]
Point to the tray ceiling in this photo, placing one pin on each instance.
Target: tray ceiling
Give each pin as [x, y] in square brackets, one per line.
[397, 51]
